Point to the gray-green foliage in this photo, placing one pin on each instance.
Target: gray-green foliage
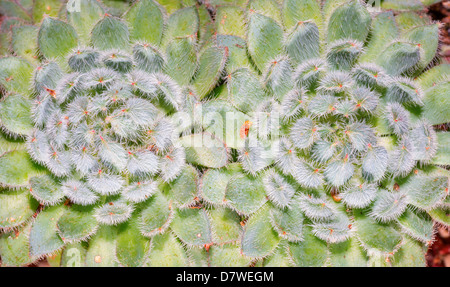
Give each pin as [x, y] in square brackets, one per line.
[163, 138]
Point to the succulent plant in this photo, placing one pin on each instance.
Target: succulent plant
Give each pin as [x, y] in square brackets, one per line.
[303, 138]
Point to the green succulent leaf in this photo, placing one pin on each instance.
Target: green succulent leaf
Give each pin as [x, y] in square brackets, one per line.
[259, 239]
[146, 22]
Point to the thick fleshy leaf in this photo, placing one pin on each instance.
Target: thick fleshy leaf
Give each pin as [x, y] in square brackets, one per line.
[206, 150]
[16, 168]
[427, 37]
[181, 60]
[23, 42]
[146, 22]
[303, 43]
[15, 74]
[225, 225]
[288, 223]
[383, 31]
[418, 225]
[399, 58]
[245, 194]
[110, 33]
[102, 246]
[264, 39]
[294, 11]
[259, 239]
[244, 90]
[167, 251]
[56, 38]
[411, 254]
[131, 247]
[183, 190]
[426, 191]
[229, 21]
[16, 207]
[192, 226]
[44, 237]
[312, 251]
[228, 255]
[436, 104]
[15, 115]
[347, 254]
[41, 8]
[214, 183]
[83, 15]
[349, 21]
[156, 215]
[77, 223]
[377, 236]
[211, 64]
[443, 152]
[389, 205]
[183, 23]
[15, 247]
[46, 190]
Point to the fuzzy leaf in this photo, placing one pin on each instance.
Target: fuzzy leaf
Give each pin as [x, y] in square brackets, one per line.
[380, 237]
[44, 238]
[15, 115]
[181, 60]
[294, 11]
[183, 190]
[229, 21]
[23, 42]
[288, 223]
[131, 248]
[436, 104]
[347, 254]
[56, 38]
[156, 215]
[426, 191]
[183, 23]
[399, 58]
[84, 19]
[214, 183]
[259, 240]
[211, 63]
[17, 206]
[146, 22]
[101, 250]
[303, 43]
[417, 225]
[16, 168]
[389, 205]
[225, 225]
[443, 152]
[167, 251]
[15, 247]
[244, 90]
[199, 231]
[264, 39]
[110, 33]
[245, 194]
[205, 150]
[349, 21]
[384, 31]
[228, 255]
[46, 190]
[15, 74]
[77, 223]
[310, 252]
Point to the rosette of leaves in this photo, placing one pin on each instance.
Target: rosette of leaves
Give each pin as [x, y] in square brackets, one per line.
[92, 170]
[339, 162]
